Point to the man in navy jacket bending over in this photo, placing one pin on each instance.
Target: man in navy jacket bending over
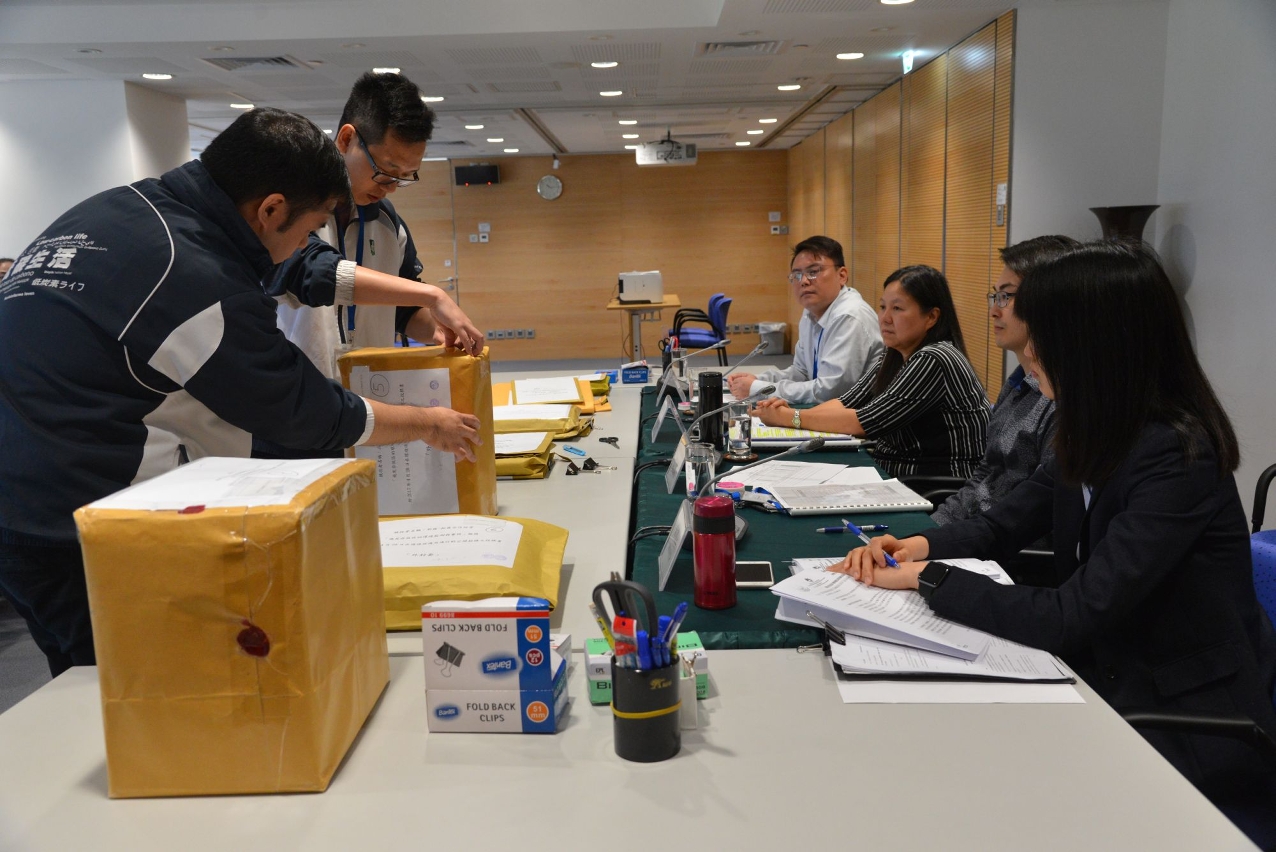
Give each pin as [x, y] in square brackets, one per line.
[135, 335]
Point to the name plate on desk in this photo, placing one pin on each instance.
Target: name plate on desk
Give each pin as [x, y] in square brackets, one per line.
[673, 544]
[675, 465]
[667, 407]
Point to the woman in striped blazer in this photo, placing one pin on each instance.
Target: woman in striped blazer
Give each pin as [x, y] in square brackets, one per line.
[920, 400]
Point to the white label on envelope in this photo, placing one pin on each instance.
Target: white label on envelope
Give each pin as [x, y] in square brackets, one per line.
[412, 478]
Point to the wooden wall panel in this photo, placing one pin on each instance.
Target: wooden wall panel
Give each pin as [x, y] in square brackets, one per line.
[428, 207]
[886, 207]
[970, 195]
[552, 265]
[705, 228]
[923, 131]
[839, 149]
[1001, 156]
[864, 277]
[806, 169]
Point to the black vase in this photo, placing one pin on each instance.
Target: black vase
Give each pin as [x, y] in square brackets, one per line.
[1125, 222]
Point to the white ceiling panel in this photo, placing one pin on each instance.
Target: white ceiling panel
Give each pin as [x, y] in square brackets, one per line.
[704, 67]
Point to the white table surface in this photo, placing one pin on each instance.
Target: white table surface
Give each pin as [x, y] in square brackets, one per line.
[594, 507]
[779, 762]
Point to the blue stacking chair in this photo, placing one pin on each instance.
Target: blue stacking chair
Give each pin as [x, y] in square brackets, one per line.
[699, 338]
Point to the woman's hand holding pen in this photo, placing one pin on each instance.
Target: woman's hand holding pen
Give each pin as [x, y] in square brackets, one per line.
[868, 564]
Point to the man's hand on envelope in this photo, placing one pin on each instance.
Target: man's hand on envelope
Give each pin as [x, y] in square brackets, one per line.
[441, 428]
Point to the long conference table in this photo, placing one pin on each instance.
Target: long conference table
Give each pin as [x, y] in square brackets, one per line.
[778, 760]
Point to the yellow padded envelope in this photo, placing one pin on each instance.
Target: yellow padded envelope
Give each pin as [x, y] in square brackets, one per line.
[537, 566]
[470, 386]
[240, 647]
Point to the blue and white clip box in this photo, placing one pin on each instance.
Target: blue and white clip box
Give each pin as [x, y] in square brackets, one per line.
[490, 666]
[494, 643]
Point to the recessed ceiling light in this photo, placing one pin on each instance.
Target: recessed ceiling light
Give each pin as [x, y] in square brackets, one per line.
[386, 69]
[789, 87]
[348, 45]
[895, 2]
[631, 147]
[511, 150]
[495, 139]
[604, 64]
[600, 38]
[434, 159]
[881, 29]
[241, 106]
[743, 144]
[328, 130]
[627, 121]
[157, 76]
[88, 50]
[629, 136]
[751, 32]
[431, 99]
[612, 93]
[755, 132]
[767, 120]
[473, 127]
[222, 48]
[850, 56]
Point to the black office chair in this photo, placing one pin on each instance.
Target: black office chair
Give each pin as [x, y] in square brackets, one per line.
[1256, 813]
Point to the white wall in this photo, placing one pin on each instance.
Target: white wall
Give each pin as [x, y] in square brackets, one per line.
[1088, 87]
[61, 142]
[1217, 226]
[158, 131]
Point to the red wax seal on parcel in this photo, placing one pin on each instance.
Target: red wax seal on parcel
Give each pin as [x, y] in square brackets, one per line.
[253, 640]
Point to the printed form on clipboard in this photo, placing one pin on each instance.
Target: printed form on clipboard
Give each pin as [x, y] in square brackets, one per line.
[889, 495]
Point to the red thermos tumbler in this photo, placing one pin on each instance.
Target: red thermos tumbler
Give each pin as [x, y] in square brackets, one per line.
[713, 541]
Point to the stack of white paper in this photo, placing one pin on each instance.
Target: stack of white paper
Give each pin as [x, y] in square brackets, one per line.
[895, 650]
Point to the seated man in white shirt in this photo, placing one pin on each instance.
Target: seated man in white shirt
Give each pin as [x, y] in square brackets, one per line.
[837, 339]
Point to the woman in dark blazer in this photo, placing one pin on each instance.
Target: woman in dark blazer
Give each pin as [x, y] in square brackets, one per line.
[1153, 603]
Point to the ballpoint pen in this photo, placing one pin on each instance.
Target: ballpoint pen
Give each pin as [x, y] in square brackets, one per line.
[890, 560]
[835, 530]
[875, 527]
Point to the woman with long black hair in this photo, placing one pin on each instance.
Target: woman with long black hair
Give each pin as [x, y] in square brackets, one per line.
[920, 399]
[1153, 601]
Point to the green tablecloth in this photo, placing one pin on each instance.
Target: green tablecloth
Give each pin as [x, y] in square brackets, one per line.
[775, 538]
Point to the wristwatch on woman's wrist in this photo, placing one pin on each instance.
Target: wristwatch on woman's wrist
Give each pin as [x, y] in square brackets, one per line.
[797, 419]
[931, 578]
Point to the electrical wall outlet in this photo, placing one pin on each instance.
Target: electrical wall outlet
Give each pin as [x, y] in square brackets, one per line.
[531, 332]
[520, 333]
[491, 335]
[484, 237]
[474, 238]
[779, 230]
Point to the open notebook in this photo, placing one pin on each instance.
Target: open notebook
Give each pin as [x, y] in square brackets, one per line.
[889, 495]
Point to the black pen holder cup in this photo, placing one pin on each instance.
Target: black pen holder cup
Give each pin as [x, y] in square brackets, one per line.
[646, 713]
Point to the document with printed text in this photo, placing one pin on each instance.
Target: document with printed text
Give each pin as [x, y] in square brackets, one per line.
[449, 541]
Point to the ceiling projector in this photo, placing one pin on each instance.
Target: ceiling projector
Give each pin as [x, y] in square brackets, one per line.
[666, 152]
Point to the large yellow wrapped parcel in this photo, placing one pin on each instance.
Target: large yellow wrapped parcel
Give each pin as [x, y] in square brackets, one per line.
[239, 624]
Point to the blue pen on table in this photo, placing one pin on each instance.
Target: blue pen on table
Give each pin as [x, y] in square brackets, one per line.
[890, 560]
[834, 530]
[875, 527]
